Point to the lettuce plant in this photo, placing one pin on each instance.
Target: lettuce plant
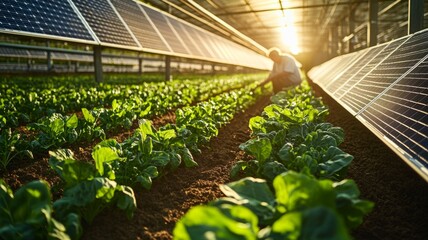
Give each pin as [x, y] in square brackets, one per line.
[300, 207]
[28, 214]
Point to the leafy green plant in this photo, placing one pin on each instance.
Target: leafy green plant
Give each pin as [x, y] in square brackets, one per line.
[28, 214]
[11, 147]
[89, 189]
[300, 208]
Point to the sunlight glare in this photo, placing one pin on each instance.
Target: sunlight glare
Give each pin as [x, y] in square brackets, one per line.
[289, 33]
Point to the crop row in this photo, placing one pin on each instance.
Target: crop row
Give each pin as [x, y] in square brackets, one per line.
[20, 103]
[138, 101]
[288, 189]
[90, 187]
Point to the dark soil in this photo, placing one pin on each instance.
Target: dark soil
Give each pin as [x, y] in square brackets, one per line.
[171, 196]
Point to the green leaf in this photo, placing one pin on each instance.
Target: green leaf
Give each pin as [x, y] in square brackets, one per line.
[261, 148]
[29, 202]
[166, 134]
[206, 222]
[126, 200]
[295, 191]
[349, 206]
[72, 121]
[88, 116]
[57, 126]
[254, 194]
[115, 105]
[103, 155]
[187, 157]
[333, 161]
[159, 158]
[314, 223]
[272, 169]
[145, 128]
[256, 124]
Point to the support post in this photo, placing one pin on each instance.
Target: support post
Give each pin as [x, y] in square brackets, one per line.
[98, 65]
[48, 57]
[213, 72]
[140, 66]
[168, 68]
[372, 27]
[351, 28]
[334, 40]
[415, 16]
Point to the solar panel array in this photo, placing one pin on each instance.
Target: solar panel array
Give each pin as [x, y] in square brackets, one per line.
[124, 24]
[386, 88]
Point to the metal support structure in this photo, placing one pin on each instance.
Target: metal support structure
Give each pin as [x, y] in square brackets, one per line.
[415, 16]
[168, 68]
[213, 72]
[48, 57]
[140, 65]
[372, 26]
[351, 29]
[333, 40]
[98, 65]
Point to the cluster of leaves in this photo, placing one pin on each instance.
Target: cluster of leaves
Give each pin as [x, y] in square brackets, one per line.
[300, 207]
[28, 214]
[90, 188]
[291, 135]
[292, 147]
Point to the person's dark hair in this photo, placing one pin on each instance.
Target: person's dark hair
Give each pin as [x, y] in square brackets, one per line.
[274, 50]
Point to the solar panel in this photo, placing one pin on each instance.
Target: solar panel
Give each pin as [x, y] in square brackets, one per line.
[401, 114]
[49, 17]
[197, 35]
[362, 64]
[369, 66]
[377, 75]
[104, 21]
[188, 38]
[139, 25]
[161, 23]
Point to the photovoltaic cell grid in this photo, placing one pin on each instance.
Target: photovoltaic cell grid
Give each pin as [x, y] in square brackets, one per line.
[370, 81]
[319, 74]
[188, 38]
[361, 64]
[338, 67]
[104, 22]
[139, 25]
[369, 66]
[50, 17]
[401, 113]
[162, 25]
[196, 34]
[392, 96]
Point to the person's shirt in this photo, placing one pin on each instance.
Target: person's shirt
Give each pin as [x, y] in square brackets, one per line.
[288, 65]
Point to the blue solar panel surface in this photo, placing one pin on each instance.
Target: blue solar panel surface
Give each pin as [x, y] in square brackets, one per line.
[372, 79]
[139, 24]
[50, 17]
[104, 22]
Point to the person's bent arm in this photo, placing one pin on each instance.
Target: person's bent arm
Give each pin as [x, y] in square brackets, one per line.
[275, 77]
